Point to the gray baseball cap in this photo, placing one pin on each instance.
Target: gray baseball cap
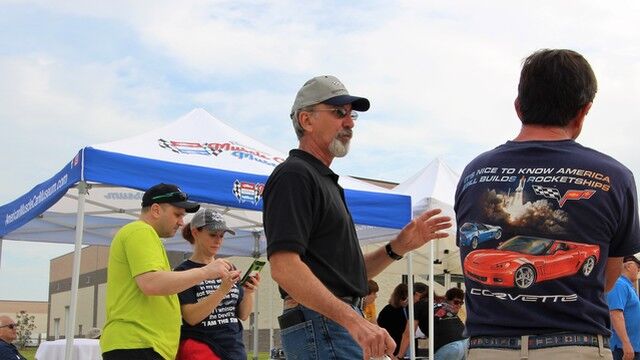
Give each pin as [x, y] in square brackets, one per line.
[210, 220]
[327, 89]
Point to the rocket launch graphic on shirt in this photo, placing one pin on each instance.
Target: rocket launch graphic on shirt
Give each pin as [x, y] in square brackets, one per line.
[518, 203]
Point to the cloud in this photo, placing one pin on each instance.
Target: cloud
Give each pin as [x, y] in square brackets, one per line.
[50, 110]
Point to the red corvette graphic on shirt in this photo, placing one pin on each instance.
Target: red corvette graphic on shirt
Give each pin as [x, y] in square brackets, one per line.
[525, 260]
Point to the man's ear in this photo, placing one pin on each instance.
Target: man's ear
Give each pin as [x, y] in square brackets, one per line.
[585, 110]
[155, 210]
[305, 120]
[578, 121]
[516, 105]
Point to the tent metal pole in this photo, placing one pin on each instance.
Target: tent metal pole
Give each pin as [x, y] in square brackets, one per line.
[432, 287]
[0, 253]
[410, 321]
[447, 280]
[256, 303]
[270, 316]
[75, 277]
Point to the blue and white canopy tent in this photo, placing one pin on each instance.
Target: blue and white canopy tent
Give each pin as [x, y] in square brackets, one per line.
[100, 190]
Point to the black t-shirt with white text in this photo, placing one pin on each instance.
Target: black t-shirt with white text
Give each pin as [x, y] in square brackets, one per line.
[221, 330]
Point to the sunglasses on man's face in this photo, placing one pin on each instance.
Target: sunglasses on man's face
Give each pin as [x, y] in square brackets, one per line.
[341, 113]
[178, 195]
[458, 302]
[10, 326]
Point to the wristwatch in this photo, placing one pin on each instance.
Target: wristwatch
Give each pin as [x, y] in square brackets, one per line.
[392, 254]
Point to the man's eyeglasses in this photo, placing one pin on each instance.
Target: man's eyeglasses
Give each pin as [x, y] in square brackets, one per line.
[10, 326]
[458, 302]
[178, 195]
[340, 113]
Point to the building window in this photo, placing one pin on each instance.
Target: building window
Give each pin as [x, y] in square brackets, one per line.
[56, 328]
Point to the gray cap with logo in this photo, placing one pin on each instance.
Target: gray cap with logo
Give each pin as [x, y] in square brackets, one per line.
[210, 220]
[329, 90]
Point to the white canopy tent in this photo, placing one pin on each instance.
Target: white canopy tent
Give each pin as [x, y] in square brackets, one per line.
[101, 188]
[433, 187]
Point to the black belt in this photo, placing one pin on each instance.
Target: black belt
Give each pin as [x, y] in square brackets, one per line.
[536, 341]
[353, 300]
[295, 316]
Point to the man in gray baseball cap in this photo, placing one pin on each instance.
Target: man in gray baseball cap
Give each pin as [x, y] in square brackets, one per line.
[326, 93]
[312, 244]
[329, 90]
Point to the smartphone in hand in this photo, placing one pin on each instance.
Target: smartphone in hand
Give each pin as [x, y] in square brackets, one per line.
[253, 270]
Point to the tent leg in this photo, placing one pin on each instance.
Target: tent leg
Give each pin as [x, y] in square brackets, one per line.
[432, 287]
[75, 277]
[0, 253]
[412, 333]
[256, 330]
[256, 302]
[270, 317]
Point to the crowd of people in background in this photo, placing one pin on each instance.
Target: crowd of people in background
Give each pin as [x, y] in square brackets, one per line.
[449, 340]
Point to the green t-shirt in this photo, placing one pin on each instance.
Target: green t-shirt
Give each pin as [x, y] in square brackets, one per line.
[133, 319]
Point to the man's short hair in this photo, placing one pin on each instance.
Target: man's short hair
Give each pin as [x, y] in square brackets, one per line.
[454, 293]
[554, 85]
[296, 121]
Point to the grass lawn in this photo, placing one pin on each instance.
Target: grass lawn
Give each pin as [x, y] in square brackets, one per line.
[30, 354]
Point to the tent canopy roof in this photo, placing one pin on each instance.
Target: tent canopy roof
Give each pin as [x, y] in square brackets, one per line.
[215, 164]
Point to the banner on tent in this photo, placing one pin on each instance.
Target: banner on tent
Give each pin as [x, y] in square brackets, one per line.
[40, 198]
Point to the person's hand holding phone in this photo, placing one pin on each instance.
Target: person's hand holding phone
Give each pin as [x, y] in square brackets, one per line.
[228, 279]
[252, 283]
[220, 268]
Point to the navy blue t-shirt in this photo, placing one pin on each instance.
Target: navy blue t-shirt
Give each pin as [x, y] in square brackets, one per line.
[537, 221]
[221, 330]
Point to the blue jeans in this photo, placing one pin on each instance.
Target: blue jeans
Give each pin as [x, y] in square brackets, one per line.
[318, 338]
[456, 350]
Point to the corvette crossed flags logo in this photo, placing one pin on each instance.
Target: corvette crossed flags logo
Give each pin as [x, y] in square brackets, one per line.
[553, 193]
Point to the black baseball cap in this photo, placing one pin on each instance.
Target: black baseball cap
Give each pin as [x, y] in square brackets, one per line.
[169, 194]
[631, 258]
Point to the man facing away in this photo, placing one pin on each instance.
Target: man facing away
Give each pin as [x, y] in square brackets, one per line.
[311, 240]
[624, 309]
[143, 312]
[8, 334]
[556, 220]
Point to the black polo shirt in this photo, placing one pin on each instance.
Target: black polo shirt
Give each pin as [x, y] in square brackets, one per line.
[305, 212]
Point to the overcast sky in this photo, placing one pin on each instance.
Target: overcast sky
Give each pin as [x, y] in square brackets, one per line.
[441, 77]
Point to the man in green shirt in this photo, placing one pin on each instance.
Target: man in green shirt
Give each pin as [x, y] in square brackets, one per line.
[143, 312]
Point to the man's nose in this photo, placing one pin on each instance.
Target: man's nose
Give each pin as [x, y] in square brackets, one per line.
[347, 122]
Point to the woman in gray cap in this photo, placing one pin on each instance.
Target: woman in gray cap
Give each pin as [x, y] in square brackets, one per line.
[211, 310]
